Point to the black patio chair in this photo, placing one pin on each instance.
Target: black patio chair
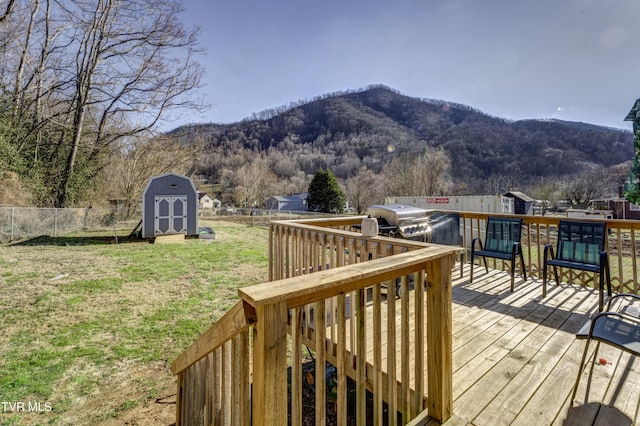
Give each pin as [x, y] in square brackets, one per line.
[620, 329]
[502, 241]
[580, 246]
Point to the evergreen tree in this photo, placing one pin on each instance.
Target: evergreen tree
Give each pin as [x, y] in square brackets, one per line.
[632, 188]
[325, 194]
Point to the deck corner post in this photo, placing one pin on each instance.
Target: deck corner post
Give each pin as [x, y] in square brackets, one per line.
[269, 402]
[439, 339]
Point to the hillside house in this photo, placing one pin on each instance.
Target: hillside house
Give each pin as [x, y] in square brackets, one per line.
[205, 201]
[620, 207]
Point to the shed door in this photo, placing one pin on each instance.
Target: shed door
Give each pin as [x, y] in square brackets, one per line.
[170, 214]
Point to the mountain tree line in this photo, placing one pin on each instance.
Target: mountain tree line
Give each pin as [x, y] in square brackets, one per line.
[380, 143]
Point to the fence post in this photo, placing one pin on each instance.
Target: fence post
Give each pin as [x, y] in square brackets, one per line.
[13, 219]
[55, 222]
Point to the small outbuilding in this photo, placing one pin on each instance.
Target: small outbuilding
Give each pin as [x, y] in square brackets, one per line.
[522, 203]
[169, 206]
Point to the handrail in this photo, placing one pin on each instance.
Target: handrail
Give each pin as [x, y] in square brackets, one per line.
[232, 323]
[306, 289]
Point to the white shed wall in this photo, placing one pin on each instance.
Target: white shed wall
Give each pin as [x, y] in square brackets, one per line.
[464, 203]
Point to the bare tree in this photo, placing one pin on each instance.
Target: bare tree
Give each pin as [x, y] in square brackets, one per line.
[7, 10]
[252, 182]
[133, 165]
[431, 172]
[82, 75]
[132, 59]
[548, 193]
[593, 183]
[398, 179]
[364, 189]
[427, 174]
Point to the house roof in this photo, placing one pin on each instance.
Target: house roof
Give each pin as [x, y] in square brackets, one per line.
[201, 194]
[520, 195]
[295, 197]
[615, 199]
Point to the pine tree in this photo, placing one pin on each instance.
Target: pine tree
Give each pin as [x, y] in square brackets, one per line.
[325, 194]
[632, 188]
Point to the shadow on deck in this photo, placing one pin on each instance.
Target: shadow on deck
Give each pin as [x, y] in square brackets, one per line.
[515, 357]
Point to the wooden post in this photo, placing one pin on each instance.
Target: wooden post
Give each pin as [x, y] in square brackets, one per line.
[439, 339]
[270, 365]
[179, 399]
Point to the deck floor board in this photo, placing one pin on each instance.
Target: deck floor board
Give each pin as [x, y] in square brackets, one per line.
[515, 357]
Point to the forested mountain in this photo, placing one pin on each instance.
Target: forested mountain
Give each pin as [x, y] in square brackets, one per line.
[344, 131]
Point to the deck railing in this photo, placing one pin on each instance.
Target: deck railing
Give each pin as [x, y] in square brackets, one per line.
[622, 248]
[236, 373]
[375, 329]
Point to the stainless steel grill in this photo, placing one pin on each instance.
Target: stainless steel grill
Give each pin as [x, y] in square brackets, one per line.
[399, 220]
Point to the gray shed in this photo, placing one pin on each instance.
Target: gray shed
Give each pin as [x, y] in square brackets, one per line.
[169, 206]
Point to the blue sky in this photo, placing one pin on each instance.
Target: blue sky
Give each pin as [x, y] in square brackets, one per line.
[565, 59]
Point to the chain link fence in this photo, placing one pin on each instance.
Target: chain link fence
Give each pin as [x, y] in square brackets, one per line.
[19, 223]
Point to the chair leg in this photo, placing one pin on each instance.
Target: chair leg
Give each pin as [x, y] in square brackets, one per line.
[471, 268]
[513, 273]
[544, 279]
[601, 291]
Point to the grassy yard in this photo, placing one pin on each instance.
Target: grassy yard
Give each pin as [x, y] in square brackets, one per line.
[90, 328]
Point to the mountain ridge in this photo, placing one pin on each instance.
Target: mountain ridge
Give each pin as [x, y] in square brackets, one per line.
[345, 130]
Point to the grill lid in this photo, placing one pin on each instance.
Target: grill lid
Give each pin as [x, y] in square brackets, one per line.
[411, 222]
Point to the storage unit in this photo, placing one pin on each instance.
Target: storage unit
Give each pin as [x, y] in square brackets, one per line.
[169, 206]
[523, 204]
[466, 203]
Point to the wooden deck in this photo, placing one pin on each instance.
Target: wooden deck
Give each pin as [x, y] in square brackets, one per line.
[515, 357]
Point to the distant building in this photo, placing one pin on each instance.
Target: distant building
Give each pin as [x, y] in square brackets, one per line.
[522, 203]
[620, 207]
[460, 203]
[205, 201]
[296, 202]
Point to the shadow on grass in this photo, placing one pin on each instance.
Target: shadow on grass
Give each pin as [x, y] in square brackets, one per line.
[45, 240]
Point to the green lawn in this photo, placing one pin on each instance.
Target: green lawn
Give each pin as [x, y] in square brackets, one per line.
[90, 328]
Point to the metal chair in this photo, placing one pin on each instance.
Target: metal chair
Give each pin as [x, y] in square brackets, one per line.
[502, 241]
[581, 246]
[620, 329]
